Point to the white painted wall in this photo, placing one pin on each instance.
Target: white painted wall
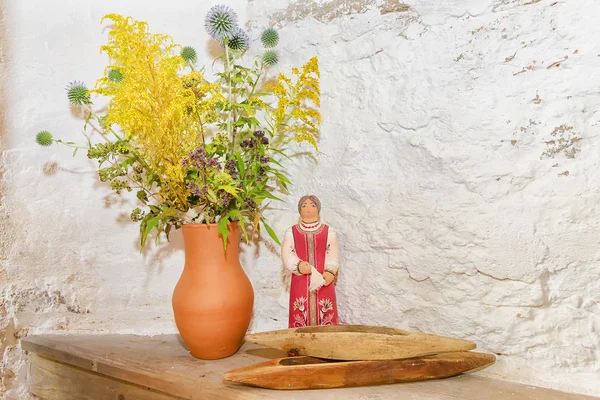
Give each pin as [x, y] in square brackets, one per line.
[432, 168]
[69, 260]
[453, 220]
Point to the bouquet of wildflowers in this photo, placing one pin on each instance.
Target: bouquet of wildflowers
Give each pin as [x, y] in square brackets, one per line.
[195, 150]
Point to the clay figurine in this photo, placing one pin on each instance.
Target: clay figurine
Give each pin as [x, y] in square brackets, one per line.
[310, 251]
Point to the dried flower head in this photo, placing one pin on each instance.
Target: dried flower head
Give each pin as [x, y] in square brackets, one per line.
[189, 54]
[239, 40]
[77, 93]
[44, 138]
[115, 76]
[220, 22]
[269, 38]
[270, 58]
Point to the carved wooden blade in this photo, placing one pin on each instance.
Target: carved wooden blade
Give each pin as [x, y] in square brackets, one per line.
[358, 342]
[294, 373]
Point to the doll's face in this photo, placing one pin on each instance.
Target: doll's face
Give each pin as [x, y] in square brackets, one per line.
[309, 211]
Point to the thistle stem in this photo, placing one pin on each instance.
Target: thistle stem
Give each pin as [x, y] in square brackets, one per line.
[69, 144]
[228, 70]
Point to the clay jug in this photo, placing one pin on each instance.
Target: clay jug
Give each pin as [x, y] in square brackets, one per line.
[213, 299]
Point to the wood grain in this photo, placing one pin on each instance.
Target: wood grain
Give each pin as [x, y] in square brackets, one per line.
[295, 373]
[358, 342]
[52, 380]
[162, 364]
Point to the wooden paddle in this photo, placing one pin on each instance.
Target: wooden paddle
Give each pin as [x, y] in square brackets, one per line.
[294, 373]
[358, 342]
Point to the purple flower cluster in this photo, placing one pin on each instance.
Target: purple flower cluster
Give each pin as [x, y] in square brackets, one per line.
[261, 175]
[264, 159]
[197, 190]
[227, 197]
[251, 204]
[260, 135]
[198, 159]
[250, 143]
[231, 167]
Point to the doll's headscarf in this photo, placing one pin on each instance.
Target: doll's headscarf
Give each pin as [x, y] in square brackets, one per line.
[312, 198]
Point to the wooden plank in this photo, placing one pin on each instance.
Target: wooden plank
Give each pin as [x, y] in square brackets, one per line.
[358, 342]
[160, 362]
[294, 373]
[163, 364]
[52, 380]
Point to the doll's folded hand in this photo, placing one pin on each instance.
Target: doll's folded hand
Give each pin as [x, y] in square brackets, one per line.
[304, 268]
[328, 276]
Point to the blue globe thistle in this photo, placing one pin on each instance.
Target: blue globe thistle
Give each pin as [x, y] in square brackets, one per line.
[269, 38]
[188, 53]
[44, 138]
[220, 22]
[239, 40]
[77, 93]
[115, 76]
[270, 58]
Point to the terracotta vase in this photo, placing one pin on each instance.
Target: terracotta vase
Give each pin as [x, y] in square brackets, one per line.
[213, 300]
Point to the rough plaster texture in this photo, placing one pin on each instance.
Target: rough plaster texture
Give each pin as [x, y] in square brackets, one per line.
[457, 162]
[69, 260]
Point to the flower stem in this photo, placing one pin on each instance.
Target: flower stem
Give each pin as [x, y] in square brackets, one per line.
[228, 70]
[69, 144]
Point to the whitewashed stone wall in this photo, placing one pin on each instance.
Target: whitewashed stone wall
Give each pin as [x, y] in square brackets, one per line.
[69, 260]
[458, 161]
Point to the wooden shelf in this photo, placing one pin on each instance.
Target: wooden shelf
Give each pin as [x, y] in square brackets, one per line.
[127, 367]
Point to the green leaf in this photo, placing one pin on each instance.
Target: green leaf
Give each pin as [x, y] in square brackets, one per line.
[223, 223]
[240, 122]
[192, 173]
[229, 189]
[127, 162]
[151, 178]
[142, 196]
[269, 195]
[75, 151]
[274, 161]
[211, 195]
[235, 213]
[280, 152]
[240, 164]
[271, 232]
[145, 229]
[282, 177]
[243, 226]
[241, 67]
[248, 109]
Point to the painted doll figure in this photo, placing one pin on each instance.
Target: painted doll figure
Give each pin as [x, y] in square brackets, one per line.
[310, 251]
